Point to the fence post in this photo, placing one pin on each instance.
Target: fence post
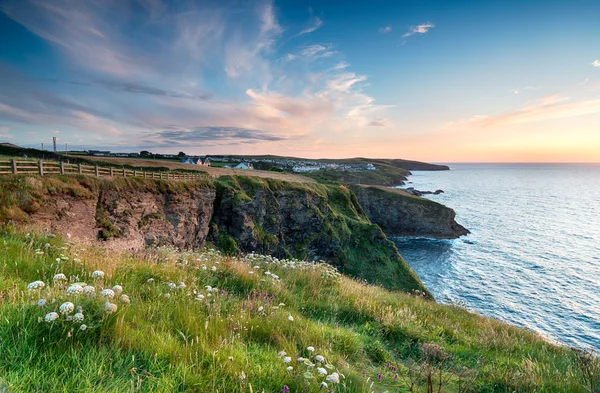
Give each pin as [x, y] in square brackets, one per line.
[124, 174]
[144, 173]
[41, 164]
[14, 166]
[79, 168]
[111, 172]
[97, 173]
[62, 168]
[135, 173]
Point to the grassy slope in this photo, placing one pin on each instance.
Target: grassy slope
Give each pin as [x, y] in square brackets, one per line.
[227, 343]
[363, 249]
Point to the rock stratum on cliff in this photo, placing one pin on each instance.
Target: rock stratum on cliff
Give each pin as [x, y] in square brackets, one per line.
[236, 214]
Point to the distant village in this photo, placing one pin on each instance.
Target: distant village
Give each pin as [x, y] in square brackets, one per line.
[236, 162]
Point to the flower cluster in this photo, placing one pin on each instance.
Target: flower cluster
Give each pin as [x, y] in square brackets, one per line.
[320, 365]
[72, 295]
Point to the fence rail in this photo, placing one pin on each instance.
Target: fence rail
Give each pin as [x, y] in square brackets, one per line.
[41, 167]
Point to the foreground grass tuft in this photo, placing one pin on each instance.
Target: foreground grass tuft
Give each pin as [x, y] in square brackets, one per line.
[204, 322]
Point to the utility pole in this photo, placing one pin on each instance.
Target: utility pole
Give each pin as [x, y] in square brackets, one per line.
[42, 146]
[66, 148]
[54, 143]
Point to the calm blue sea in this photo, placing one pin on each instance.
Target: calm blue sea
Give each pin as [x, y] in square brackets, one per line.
[533, 257]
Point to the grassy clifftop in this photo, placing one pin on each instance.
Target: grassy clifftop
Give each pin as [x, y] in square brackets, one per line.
[204, 322]
[236, 214]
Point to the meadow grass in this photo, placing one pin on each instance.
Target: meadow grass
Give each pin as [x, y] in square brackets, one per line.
[200, 321]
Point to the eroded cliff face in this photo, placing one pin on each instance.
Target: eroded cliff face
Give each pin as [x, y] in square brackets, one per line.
[399, 214]
[309, 222]
[237, 214]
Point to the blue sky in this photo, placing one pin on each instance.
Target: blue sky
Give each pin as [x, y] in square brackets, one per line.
[429, 80]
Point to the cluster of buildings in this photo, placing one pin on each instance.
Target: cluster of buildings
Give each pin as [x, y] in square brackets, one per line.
[313, 166]
[296, 165]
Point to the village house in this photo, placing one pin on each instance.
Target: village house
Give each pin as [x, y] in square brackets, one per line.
[243, 165]
[201, 161]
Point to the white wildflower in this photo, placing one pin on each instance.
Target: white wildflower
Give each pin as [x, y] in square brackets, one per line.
[78, 317]
[300, 359]
[83, 327]
[150, 280]
[290, 318]
[321, 371]
[287, 359]
[256, 267]
[333, 378]
[59, 277]
[125, 299]
[250, 272]
[181, 285]
[35, 285]
[267, 273]
[97, 274]
[110, 307]
[204, 267]
[74, 289]
[108, 293]
[310, 349]
[213, 268]
[323, 385]
[200, 297]
[89, 290]
[289, 368]
[66, 308]
[51, 316]
[167, 295]
[281, 354]
[171, 285]
[117, 289]
[261, 308]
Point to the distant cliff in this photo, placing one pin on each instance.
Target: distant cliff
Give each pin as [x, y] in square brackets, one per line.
[401, 214]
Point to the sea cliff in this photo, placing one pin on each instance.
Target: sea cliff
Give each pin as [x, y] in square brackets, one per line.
[344, 225]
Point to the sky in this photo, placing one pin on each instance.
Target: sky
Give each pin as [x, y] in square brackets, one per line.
[438, 81]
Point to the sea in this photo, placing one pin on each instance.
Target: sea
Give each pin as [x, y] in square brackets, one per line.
[533, 256]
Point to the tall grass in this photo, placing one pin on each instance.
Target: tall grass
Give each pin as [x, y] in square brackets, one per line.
[199, 321]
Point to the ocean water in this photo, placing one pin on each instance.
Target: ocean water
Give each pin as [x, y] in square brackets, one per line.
[533, 257]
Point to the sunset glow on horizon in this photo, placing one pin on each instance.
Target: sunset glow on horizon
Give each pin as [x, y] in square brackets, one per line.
[438, 81]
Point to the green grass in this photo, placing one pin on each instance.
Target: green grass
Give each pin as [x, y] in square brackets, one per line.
[167, 340]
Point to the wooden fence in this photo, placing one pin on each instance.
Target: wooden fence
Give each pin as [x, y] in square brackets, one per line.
[42, 168]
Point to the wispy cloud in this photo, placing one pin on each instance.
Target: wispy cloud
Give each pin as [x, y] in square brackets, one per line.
[546, 108]
[522, 89]
[596, 63]
[136, 88]
[315, 24]
[386, 29]
[178, 135]
[380, 122]
[420, 29]
[316, 51]
[142, 67]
